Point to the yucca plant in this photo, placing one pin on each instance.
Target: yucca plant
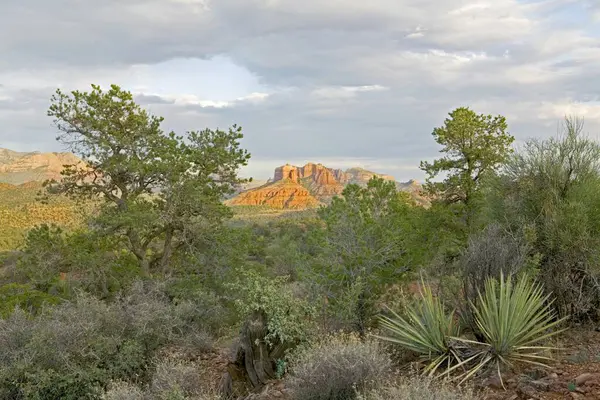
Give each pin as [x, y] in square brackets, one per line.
[426, 330]
[514, 319]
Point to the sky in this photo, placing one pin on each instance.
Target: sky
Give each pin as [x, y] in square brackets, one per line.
[341, 82]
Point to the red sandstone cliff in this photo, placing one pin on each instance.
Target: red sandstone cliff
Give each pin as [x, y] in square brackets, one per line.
[310, 185]
[283, 194]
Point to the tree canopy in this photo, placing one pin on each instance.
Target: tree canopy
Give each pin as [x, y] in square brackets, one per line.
[153, 185]
[475, 145]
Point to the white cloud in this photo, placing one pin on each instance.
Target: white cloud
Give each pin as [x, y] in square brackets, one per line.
[342, 79]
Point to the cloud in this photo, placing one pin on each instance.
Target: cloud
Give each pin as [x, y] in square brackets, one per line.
[336, 80]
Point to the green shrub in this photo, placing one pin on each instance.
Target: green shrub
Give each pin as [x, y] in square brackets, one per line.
[489, 254]
[553, 185]
[197, 304]
[25, 297]
[337, 368]
[61, 263]
[290, 318]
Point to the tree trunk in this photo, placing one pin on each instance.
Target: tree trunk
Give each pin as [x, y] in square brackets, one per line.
[254, 363]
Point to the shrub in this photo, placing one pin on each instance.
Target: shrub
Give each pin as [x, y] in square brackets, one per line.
[72, 350]
[337, 367]
[288, 316]
[175, 379]
[368, 241]
[23, 296]
[426, 330]
[419, 388]
[489, 254]
[123, 391]
[553, 185]
[196, 304]
[60, 263]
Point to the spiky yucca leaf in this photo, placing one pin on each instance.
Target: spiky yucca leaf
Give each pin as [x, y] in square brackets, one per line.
[427, 330]
[514, 320]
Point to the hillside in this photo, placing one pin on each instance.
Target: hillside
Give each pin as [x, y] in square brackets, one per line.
[17, 168]
[305, 187]
[20, 211]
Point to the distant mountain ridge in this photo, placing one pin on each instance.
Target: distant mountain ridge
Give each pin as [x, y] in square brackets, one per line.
[294, 187]
[291, 187]
[17, 168]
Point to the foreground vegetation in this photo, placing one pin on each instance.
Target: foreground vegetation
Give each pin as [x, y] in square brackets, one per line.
[332, 304]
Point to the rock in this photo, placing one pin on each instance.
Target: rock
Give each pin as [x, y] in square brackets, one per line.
[493, 382]
[540, 385]
[286, 171]
[315, 184]
[361, 176]
[283, 194]
[528, 392]
[575, 395]
[553, 376]
[17, 168]
[583, 378]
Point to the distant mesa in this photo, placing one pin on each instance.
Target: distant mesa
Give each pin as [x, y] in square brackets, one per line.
[292, 187]
[309, 186]
[17, 168]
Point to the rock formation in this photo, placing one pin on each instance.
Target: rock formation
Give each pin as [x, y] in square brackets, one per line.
[361, 176]
[17, 168]
[286, 172]
[310, 185]
[282, 194]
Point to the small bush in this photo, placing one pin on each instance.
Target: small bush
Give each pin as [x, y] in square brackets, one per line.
[337, 368]
[418, 388]
[123, 391]
[198, 305]
[489, 254]
[25, 297]
[176, 379]
[290, 318]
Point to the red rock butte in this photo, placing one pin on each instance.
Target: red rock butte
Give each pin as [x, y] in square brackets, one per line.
[308, 186]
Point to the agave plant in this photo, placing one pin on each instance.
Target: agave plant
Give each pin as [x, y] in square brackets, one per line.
[427, 330]
[514, 319]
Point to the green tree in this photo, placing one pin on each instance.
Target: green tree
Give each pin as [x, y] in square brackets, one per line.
[475, 146]
[155, 186]
[368, 241]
